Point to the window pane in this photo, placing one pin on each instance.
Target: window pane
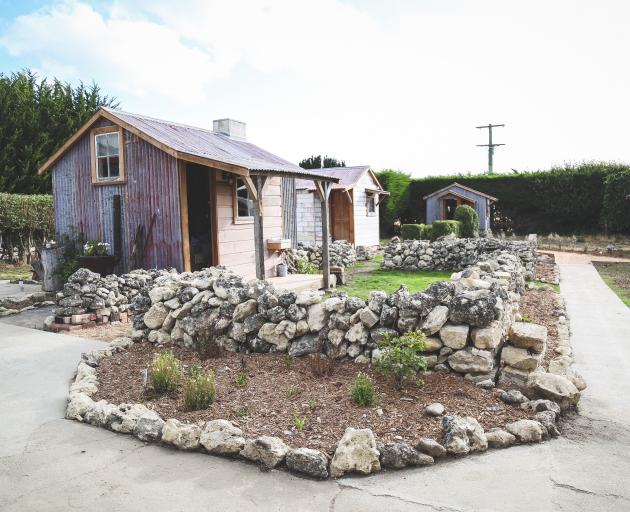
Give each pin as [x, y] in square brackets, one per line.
[112, 143]
[102, 167]
[245, 205]
[114, 172]
[101, 145]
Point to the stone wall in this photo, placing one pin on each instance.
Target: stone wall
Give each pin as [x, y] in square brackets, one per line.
[466, 319]
[450, 253]
[342, 254]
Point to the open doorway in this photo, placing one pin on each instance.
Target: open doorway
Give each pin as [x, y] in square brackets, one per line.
[200, 204]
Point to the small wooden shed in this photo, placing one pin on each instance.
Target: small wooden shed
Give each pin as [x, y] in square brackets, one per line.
[442, 203]
[164, 194]
[354, 204]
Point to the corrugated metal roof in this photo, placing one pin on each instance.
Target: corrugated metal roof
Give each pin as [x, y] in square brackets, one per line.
[348, 176]
[205, 143]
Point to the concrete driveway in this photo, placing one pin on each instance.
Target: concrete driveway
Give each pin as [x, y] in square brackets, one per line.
[49, 463]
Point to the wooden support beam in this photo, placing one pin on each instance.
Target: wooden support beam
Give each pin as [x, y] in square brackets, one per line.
[259, 242]
[323, 187]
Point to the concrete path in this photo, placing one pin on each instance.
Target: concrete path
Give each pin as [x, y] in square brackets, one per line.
[8, 289]
[33, 318]
[54, 464]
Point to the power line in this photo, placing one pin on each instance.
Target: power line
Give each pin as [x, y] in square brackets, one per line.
[490, 145]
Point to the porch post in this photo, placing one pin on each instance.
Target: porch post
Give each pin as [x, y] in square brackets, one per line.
[259, 242]
[323, 188]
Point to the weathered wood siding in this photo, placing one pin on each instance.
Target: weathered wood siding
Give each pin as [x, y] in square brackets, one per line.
[434, 210]
[236, 240]
[289, 210]
[152, 187]
[366, 226]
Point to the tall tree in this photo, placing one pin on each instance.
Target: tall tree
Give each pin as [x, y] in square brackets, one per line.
[36, 118]
[319, 161]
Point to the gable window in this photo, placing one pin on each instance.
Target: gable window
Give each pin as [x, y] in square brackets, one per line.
[244, 203]
[107, 156]
[371, 204]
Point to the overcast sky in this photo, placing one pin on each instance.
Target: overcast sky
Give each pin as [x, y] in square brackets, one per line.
[394, 84]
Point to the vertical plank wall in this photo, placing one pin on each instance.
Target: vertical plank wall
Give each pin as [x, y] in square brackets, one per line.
[366, 226]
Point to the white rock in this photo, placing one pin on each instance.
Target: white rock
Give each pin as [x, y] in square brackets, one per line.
[358, 333]
[520, 358]
[317, 317]
[308, 297]
[154, 318]
[487, 337]
[356, 452]
[183, 436]
[526, 431]
[434, 409]
[554, 387]
[267, 450]
[435, 319]
[454, 336]
[498, 438]
[528, 335]
[78, 405]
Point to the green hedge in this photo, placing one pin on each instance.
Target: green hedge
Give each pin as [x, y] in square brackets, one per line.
[584, 198]
[427, 231]
[25, 221]
[411, 231]
[469, 220]
[445, 227]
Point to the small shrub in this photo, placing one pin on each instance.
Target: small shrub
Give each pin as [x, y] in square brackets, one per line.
[469, 220]
[411, 231]
[312, 404]
[241, 379]
[242, 412]
[402, 357]
[292, 391]
[199, 389]
[363, 391]
[303, 266]
[165, 372]
[96, 248]
[445, 227]
[300, 422]
[525, 319]
[289, 360]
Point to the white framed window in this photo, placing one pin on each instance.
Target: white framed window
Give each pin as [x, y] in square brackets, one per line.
[107, 156]
[371, 204]
[243, 202]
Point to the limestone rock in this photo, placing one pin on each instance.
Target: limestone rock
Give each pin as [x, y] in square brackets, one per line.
[317, 317]
[436, 319]
[125, 417]
[554, 387]
[513, 396]
[462, 435]
[310, 462]
[548, 420]
[222, 438]
[520, 358]
[368, 317]
[356, 452]
[267, 450]
[528, 335]
[308, 297]
[400, 455]
[100, 414]
[473, 307]
[149, 427]
[487, 337]
[454, 336]
[498, 438]
[432, 344]
[183, 436]
[304, 345]
[526, 431]
[78, 405]
[431, 447]
[245, 309]
[154, 318]
[269, 334]
[471, 360]
[358, 333]
[434, 409]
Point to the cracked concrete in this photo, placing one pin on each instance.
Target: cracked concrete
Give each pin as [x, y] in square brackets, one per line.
[47, 463]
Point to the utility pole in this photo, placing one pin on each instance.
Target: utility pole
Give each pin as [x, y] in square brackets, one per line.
[490, 145]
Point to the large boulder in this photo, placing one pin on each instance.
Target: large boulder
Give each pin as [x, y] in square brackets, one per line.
[462, 435]
[356, 452]
[125, 418]
[473, 307]
[244, 310]
[528, 335]
[184, 436]
[304, 345]
[267, 450]
[149, 427]
[317, 317]
[400, 455]
[554, 387]
[307, 461]
[454, 336]
[269, 334]
[520, 358]
[471, 360]
[78, 405]
[154, 318]
[222, 438]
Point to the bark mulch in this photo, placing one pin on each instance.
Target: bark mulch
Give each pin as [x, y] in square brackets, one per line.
[546, 269]
[277, 392]
[537, 306]
[107, 332]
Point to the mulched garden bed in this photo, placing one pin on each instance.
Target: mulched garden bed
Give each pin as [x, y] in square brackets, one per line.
[546, 268]
[277, 392]
[538, 306]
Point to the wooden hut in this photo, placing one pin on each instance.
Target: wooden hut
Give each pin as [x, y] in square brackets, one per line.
[165, 195]
[442, 203]
[354, 203]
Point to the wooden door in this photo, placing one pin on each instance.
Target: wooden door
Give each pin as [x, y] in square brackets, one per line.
[341, 218]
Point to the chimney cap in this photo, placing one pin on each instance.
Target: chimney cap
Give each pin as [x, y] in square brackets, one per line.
[230, 127]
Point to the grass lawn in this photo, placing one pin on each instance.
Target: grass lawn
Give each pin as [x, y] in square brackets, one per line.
[617, 277]
[15, 271]
[361, 284]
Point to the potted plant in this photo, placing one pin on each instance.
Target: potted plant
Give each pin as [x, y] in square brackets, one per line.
[96, 258]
